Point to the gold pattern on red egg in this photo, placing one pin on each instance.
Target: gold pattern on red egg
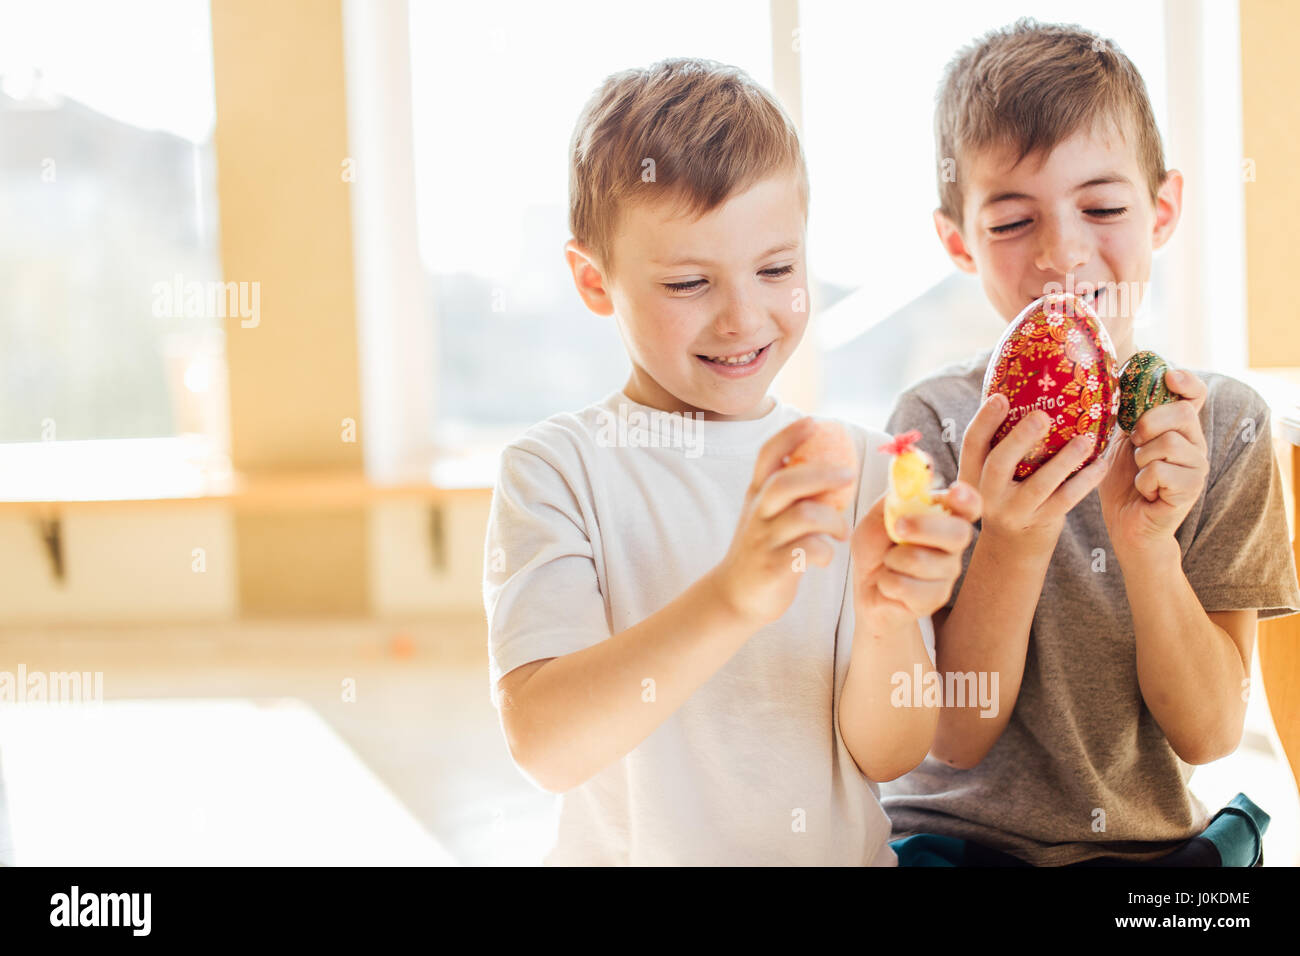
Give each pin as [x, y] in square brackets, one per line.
[1056, 356]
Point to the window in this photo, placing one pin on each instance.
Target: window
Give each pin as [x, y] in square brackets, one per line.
[107, 177]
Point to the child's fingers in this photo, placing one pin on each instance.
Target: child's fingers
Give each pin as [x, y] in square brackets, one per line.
[774, 451]
[790, 484]
[804, 518]
[924, 564]
[1079, 485]
[1184, 383]
[815, 548]
[883, 600]
[1019, 442]
[1174, 484]
[1172, 447]
[870, 541]
[1040, 485]
[1149, 479]
[979, 434]
[945, 532]
[961, 500]
[1181, 416]
[912, 594]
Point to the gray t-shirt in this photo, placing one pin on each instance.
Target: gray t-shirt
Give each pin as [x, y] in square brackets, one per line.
[1081, 748]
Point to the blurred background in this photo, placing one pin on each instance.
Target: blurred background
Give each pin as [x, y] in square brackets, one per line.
[282, 276]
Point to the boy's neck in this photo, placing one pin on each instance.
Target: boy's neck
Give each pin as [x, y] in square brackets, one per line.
[655, 396]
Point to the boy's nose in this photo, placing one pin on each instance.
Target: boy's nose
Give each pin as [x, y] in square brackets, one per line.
[738, 315]
[1061, 248]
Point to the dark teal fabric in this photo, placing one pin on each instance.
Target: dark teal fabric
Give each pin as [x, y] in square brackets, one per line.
[928, 849]
[1237, 831]
[1234, 837]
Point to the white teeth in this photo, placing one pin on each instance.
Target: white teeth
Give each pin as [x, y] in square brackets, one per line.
[738, 360]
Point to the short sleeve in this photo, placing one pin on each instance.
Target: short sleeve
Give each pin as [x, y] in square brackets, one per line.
[540, 587]
[1240, 557]
[941, 440]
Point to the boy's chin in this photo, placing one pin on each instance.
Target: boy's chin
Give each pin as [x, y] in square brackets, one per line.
[736, 400]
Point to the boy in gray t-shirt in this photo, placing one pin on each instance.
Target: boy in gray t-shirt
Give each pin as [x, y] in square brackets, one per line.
[1116, 604]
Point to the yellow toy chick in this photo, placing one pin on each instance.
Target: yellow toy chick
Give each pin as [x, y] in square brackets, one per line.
[911, 476]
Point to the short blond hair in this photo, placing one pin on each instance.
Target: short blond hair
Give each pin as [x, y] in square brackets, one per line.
[1031, 86]
[690, 130]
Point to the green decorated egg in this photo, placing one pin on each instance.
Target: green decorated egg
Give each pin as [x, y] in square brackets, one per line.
[1142, 387]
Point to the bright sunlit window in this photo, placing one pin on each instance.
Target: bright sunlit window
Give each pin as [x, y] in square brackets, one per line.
[108, 185]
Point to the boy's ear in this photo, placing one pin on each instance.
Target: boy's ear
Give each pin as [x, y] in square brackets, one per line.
[953, 243]
[588, 278]
[1169, 206]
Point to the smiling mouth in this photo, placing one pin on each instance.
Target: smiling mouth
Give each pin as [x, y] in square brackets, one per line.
[744, 358]
[1090, 298]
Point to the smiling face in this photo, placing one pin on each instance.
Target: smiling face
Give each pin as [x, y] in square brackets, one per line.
[1079, 219]
[709, 308]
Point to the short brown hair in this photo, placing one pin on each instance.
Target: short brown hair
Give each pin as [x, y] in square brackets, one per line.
[708, 130]
[1030, 86]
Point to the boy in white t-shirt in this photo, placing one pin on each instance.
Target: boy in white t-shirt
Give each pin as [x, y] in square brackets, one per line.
[679, 641]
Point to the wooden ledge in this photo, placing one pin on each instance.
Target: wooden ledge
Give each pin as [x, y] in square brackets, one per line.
[53, 478]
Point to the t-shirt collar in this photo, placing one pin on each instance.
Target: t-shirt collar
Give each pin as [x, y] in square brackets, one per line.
[689, 430]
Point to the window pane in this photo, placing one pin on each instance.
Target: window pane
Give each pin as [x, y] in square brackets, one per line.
[107, 179]
[497, 90]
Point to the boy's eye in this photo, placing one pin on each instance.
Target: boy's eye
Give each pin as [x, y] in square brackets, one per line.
[691, 284]
[1099, 213]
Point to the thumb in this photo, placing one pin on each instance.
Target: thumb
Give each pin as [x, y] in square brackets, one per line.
[961, 499]
[976, 443]
[870, 542]
[1120, 465]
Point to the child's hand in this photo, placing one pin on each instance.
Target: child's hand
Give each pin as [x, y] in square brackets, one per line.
[760, 574]
[1031, 512]
[897, 583]
[1158, 471]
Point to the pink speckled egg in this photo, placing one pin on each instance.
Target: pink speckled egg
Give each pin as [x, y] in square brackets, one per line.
[830, 446]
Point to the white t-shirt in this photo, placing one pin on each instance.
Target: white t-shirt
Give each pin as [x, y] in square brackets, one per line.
[602, 517]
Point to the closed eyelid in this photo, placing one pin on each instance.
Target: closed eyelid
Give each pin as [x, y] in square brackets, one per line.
[1018, 221]
[694, 284]
[779, 267]
[1105, 210]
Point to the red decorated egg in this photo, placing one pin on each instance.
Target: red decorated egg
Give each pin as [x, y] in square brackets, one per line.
[1056, 357]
